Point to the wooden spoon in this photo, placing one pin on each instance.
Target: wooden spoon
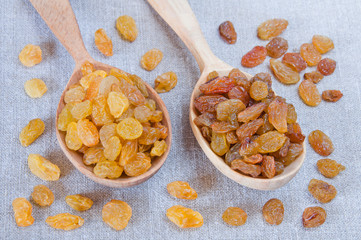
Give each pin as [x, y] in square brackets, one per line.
[179, 16]
[60, 18]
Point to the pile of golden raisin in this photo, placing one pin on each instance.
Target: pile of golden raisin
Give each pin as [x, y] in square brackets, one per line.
[255, 131]
[110, 119]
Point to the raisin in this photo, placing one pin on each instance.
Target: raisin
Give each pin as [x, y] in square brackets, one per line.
[322, 191]
[79, 202]
[212, 75]
[294, 133]
[129, 129]
[248, 129]
[93, 89]
[233, 154]
[100, 112]
[228, 108]
[313, 217]
[163, 130]
[294, 150]
[35, 88]
[224, 126]
[140, 84]
[295, 61]
[259, 90]
[138, 165]
[143, 113]
[87, 68]
[149, 135]
[263, 77]
[270, 141]
[205, 119]
[323, 44]
[291, 113]
[43, 168]
[282, 152]
[127, 27]
[238, 92]
[113, 148]
[309, 93]
[254, 57]
[129, 151]
[329, 168]
[116, 214]
[72, 139]
[108, 84]
[271, 28]
[279, 167]
[273, 211]
[165, 82]
[107, 131]
[331, 95]
[30, 55]
[219, 143]
[277, 114]
[251, 113]
[103, 42]
[248, 147]
[254, 159]
[268, 166]
[234, 216]
[75, 93]
[65, 221]
[313, 76]
[184, 217]
[120, 74]
[131, 92]
[87, 132]
[320, 142]
[218, 85]
[65, 117]
[227, 32]
[118, 103]
[277, 47]
[159, 148]
[42, 195]
[283, 72]
[86, 80]
[232, 137]
[326, 66]
[93, 155]
[208, 103]
[240, 78]
[310, 54]
[181, 190]
[151, 59]
[266, 127]
[22, 212]
[81, 110]
[108, 169]
[249, 169]
[31, 132]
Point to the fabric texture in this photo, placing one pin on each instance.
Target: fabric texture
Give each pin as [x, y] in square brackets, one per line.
[21, 25]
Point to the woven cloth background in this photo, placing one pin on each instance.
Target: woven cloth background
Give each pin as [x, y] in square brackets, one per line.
[20, 25]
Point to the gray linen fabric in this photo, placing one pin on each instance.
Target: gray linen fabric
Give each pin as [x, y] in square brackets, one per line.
[20, 25]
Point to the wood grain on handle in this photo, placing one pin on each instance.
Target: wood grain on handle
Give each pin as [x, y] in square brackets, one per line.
[180, 17]
[60, 18]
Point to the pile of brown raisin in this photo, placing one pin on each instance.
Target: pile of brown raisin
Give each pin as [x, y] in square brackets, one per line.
[110, 119]
[254, 131]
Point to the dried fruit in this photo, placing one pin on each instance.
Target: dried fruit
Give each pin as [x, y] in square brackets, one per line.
[320, 142]
[240, 78]
[112, 148]
[137, 165]
[149, 135]
[35, 88]
[248, 129]
[140, 84]
[263, 77]
[294, 133]
[31, 132]
[86, 68]
[323, 44]
[43, 168]
[151, 59]
[331, 95]
[271, 28]
[294, 150]
[81, 110]
[181, 190]
[310, 54]
[212, 75]
[107, 131]
[118, 103]
[184, 217]
[282, 152]
[248, 147]
[329, 168]
[205, 119]
[259, 90]
[103, 42]
[109, 84]
[208, 103]
[238, 92]
[159, 148]
[270, 141]
[75, 93]
[108, 169]
[93, 155]
[218, 85]
[65, 221]
[22, 212]
[165, 82]
[127, 27]
[100, 112]
[219, 143]
[268, 166]
[227, 108]
[42, 195]
[129, 151]
[234, 216]
[277, 114]
[295, 61]
[313, 76]
[116, 214]
[72, 139]
[87, 132]
[266, 127]
[326, 66]
[30, 55]
[273, 211]
[279, 167]
[88, 79]
[163, 130]
[291, 113]
[254, 57]
[65, 117]
[309, 93]
[313, 217]
[227, 32]
[249, 169]
[277, 47]
[133, 94]
[79, 202]
[251, 113]
[129, 129]
[254, 159]
[283, 72]
[322, 191]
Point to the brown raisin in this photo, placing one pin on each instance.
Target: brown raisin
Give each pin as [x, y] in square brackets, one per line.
[238, 92]
[227, 32]
[277, 114]
[322, 191]
[329, 168]
[326, 66]
[313, 217]
[331, 95]
[251, 113]
[294, 133]
[259, 90]
[248, 129]
[294, 150]
[313, 76]
[277, 47]
[208, 103]
[270, 141]
[320, 142]
[218, 85]
[254, 57]
[268, 166]
[295, 61]
[249, 169]
[273, 211]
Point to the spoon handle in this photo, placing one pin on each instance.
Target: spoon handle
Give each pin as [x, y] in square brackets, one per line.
[180, 17]
[60, 18]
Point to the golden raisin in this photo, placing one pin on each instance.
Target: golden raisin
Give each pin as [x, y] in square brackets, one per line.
[108, 169]
[322, 191]
[31, 132]
[219, 143]
[30, 55]
[165, 82]
[234, 216]
[140, 84]
[273, 211]
[22, 212]
[81, 110]
[331, 95]
[151, 59]
[313, 217]
[320, 142]
[112, 148]
[117, 214]
[309, 93]
[159, 148]
[93, 155]
[65, 117]
[86, 80]
[254, 57]
[271, 28]
[86, 68]
[100, 111]
[129, 151]
[65, 221]
[137, 165]
[118, 103]
[313, 76]
[74, 93]
[323, 44]
[103, 42]
[129, 129]
[127, 27]
[283, 72]
[277, 47]
[88, 133]
[181, 190]
[107, 131]
[79, 202]
[43, 168]
[329, 168]
[310, 54]
[184, 217]
[270, 141]
[42, 195]
[259, 90]
[35, 88]
[277, 114]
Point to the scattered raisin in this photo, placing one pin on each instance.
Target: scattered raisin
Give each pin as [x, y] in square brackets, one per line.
[326, 66]
[184, 217]
[42, 195]
[271, 28]
[79, 202]
[35, 88]
[151, 59]
[254, 57]
[277, 47]
[22, 212]
[31, 132]
[234, 216]
[322, 191]
[227, 32]
[65, 221]
[309, 93]
[103, 42]
[295, 61]
[313, 217]
[30, 55]
[181, 190]
[127, 27]
[273, 211]
[331, 95]
[310, 54]
[283, 72]
[329, 168]
[43, 168]
[323, 44]
[165, 82]
[117, 214]
[313, 76]
[320, 142]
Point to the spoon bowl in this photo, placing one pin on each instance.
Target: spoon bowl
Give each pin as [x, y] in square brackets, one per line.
[60, 18]
[179, 16]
